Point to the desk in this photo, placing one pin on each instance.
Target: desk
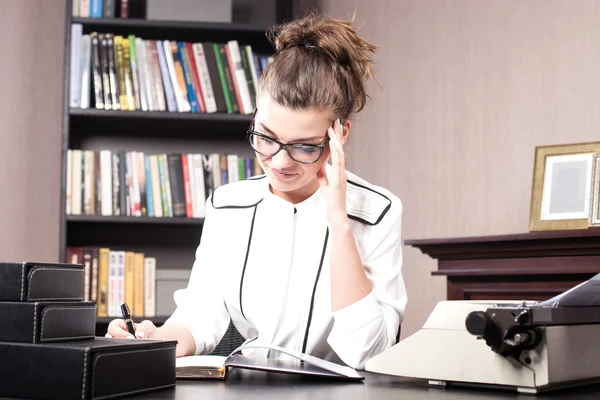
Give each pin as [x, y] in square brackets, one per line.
[527, 266]
[251, 385]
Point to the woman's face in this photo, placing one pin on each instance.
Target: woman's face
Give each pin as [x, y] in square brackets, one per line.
[290, 179]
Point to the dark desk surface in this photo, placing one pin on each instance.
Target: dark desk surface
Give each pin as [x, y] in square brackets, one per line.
[249, 385]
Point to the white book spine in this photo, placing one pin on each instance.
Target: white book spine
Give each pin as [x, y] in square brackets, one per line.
[179, 99]
[84, 8]
[75, 65]
[76, 168]
[216, 170]
[112, 285]
[158, 85]
[120, 280]
[240, 76]
[150, 286]
[255, 78]
[166, 78]
[68, 189]
[203, 74]
[232, 168]
[88, 181]
[151, 96]
[156, 192]
[141, 63]
[199, 186]
[75, 8]
[86, 61]
[107, 185]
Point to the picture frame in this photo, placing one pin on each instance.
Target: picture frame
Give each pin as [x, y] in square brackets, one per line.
[562, 189]
[595, 196]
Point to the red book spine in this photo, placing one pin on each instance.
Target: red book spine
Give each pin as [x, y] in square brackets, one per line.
[194, 73]
[189, 212]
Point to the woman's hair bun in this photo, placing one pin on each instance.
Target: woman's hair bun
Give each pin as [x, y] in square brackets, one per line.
[334, 37]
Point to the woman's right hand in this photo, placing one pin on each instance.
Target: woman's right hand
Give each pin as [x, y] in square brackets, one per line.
[143, 330]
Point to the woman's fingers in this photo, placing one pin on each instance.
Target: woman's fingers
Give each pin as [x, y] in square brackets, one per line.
[118, 329]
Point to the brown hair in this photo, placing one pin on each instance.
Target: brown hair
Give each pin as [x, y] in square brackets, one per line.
[318, 62]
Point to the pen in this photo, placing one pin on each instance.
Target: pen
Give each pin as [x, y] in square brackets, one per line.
[127, 317]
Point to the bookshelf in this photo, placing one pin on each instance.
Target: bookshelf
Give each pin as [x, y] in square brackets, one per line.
[171, 240]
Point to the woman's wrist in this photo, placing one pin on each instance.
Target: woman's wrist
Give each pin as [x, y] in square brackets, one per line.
[339, 223]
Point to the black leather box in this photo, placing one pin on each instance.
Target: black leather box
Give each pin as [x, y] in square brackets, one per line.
[41, 282]
[42, 322]
[100, 368]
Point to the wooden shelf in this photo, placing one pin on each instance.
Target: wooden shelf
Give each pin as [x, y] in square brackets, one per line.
[93, 219]
[180, 30]
[217, 126]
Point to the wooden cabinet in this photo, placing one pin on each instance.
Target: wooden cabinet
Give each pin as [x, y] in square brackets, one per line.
[529, 266]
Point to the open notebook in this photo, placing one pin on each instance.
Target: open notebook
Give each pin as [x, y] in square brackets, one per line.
[218, 367]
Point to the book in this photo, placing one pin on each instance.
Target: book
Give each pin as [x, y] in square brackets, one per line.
[219, 367]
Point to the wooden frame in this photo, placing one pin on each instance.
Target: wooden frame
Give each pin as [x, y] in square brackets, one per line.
[542, 217]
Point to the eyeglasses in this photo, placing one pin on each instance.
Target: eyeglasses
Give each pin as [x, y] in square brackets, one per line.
[299, 152]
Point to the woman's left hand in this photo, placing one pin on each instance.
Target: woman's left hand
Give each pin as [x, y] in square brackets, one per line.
[333, 189]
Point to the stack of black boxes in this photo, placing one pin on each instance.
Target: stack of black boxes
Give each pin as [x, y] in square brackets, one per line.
[47, 344]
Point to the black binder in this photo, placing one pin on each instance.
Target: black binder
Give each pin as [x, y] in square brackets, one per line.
[41, 322]
[86, 369]
[29, 281]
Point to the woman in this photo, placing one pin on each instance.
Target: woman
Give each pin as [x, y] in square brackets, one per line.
[308, 256]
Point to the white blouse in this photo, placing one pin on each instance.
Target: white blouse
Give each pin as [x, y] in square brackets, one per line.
[263, 263]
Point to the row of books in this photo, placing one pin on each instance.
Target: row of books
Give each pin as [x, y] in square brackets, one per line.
[112, 278]
[132, 183]
[114, 72]
[100, 8]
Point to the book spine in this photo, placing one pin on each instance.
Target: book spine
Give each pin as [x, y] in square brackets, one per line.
[141, 177]
[95, 8]
[179, 78]
[221, 70]
[164, 72]
[149, 190]
[113, 72]
[150, 87]
[190, 64]
[141, 63]
[230, 84]
[104, 256]
[158, 85]
[105, 72]
[84, 8]
[124, 12]
[106, 173]
[109, 8]
[187, 180]
[187, 77]
[130, 279]
[97, 71]
[127, 74]
[214, 76]
[134, 71]
[68, 188]
[173, 76]
[94, 277]
[116, 184]
[86, 61]
[75, 65]
[239, 77]
[138, 285]
[156, 186]
[204, 77]
[176, 185]
[150, 286]
[199, 188]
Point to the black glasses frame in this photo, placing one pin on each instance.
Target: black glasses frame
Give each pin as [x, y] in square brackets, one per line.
[251, 132]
